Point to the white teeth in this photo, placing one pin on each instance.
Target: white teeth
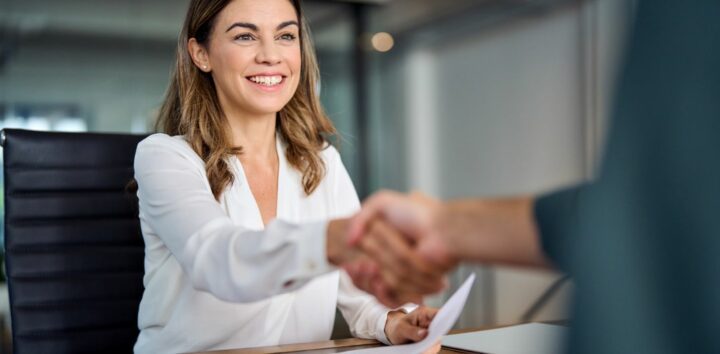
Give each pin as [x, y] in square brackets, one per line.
[266, 80]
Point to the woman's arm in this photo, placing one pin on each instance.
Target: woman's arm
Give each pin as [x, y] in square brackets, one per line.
[229, 261]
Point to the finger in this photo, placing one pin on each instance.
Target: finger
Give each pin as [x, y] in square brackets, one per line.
[435, 251]
[376, 245]
[389, 269]
[426, 316]
[395, 299]
[370, 273]
[373, 246]
[406, 332]
[384, 295]
[399, 285]
[401, 268]
[419, 196]
[362, 272]
[359, 280]
[422, 271]
[371, 208]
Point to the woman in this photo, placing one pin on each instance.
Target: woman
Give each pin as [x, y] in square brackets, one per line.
[233, 201]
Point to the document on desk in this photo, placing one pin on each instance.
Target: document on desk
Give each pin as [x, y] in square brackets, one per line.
[530, 338]
[440, 325]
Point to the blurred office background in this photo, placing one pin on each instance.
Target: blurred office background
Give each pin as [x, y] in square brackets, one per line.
[451, 97]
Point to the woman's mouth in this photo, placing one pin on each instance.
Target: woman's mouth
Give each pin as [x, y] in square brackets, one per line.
[268, 81]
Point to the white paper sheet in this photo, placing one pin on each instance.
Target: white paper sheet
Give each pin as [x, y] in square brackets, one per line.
[440, 326]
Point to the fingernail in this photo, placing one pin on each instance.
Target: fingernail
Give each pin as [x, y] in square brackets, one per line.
[421, 333]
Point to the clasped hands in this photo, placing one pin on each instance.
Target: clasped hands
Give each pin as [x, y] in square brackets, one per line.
[399, 247]
[393, 248]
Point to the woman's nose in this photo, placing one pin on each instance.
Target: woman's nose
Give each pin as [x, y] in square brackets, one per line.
[268, 54]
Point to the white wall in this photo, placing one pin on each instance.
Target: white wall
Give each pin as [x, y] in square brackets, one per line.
[512, 109]
[509, 114]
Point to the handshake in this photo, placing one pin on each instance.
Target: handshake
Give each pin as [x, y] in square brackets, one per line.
[393, 248]
[399, 247]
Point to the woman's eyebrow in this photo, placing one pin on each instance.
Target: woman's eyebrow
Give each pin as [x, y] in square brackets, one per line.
[254, 27]
[243, 24]
[287, 23]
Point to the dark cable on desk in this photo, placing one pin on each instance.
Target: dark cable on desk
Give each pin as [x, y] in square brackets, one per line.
[543, 299]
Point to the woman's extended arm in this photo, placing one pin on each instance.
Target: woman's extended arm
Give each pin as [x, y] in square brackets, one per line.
[229, 261]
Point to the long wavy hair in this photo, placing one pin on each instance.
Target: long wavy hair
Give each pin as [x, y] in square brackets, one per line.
[191, 107]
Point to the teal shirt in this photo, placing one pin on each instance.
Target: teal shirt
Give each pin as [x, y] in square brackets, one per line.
[643, 241]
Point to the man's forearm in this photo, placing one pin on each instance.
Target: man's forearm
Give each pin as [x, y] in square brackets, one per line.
[492, 231]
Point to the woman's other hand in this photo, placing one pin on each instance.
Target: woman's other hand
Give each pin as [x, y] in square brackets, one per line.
[401, 328]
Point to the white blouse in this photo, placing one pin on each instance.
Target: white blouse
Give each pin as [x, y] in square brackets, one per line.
[215, 278]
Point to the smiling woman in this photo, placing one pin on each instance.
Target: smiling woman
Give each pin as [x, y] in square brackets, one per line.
[212, 76]
[236, 193]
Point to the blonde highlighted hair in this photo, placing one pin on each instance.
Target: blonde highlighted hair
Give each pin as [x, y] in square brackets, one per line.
[191, 107]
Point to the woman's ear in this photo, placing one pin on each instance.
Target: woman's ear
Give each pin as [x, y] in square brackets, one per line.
[199, 55]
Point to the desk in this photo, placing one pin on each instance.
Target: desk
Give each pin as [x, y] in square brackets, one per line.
[333, 346]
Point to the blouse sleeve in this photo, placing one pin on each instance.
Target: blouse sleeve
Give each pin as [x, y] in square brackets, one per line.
[365, 316]
[227, 260]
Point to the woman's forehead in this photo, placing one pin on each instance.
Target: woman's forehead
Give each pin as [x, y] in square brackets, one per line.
[261, 13]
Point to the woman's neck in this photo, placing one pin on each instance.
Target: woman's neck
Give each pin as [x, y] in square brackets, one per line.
[256, 135]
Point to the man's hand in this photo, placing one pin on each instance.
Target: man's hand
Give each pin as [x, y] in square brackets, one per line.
[416, 217]
[388, 264]
[407, 256]
[410, 241]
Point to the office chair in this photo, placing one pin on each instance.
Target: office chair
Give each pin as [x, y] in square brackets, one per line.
[74, 251]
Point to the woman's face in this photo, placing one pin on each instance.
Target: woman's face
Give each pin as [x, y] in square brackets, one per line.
[254, 55]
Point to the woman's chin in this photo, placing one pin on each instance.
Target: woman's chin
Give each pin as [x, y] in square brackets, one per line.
[267, 109]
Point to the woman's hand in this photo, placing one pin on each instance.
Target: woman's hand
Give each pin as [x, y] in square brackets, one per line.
[338, 250]
[403, 328]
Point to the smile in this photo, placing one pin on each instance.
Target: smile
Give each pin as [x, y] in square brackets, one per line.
[268, 81]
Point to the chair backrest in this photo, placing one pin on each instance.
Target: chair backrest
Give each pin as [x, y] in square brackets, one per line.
[74, 251]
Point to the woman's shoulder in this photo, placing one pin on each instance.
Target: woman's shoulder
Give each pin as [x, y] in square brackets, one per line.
[163, 146]
[334, 165]
[166, 142]
[330, 154]
[162, 139]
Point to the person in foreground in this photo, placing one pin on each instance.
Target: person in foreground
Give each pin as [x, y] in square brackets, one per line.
[642, 241]
[234, 198]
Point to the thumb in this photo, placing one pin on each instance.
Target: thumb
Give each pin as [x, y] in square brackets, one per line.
[419, 196]
[371, 208]
[406, 332]
[374, 206]
[433, 249]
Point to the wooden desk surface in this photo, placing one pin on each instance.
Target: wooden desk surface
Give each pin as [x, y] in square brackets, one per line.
[334, 346]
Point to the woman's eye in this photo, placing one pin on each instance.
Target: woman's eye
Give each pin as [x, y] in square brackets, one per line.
[288, 37]
[244, 37]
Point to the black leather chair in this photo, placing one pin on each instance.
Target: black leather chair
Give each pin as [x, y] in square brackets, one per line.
[74, 251]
